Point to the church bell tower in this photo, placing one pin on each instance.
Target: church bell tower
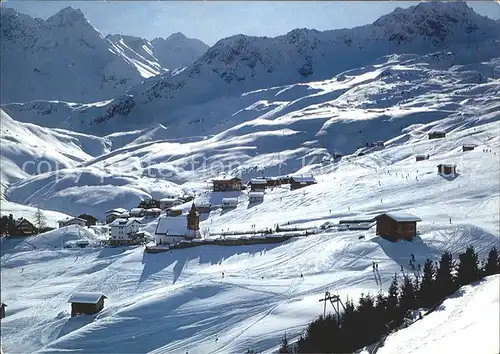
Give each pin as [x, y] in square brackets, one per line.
[193, 219]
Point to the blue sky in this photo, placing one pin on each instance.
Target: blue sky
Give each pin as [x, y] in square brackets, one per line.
[213, 20]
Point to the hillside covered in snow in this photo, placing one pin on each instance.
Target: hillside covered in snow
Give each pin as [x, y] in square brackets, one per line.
[66, 58]
[466, 322]
[351, 107]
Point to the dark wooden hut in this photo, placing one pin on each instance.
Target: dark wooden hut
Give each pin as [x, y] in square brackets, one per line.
[438, 134]
[468, 147]
[397, 226]
[85, 303]
[422, 157]
[447, 169]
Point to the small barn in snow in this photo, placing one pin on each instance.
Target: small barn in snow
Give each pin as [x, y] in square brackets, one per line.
[468, 147]
[297, 182]
[86, 303]
[397, 226]
[422, 157]
[228, 203]
[257, 184]
[438, 134]
[255, 197]
[447, 169]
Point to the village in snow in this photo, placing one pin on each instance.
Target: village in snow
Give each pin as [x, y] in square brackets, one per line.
[269, 199]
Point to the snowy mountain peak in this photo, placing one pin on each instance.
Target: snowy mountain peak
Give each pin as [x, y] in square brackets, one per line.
[68, 17]
[177, 36]
[435, 20]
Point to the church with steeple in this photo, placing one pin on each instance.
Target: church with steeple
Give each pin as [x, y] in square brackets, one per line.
[173, 229]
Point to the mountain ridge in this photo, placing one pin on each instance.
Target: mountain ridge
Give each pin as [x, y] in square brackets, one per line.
[66, 58]
[240, 63]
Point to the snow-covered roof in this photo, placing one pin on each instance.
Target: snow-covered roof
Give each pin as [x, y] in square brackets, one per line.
[256, 195]
[123, 222]
[229, 200]
[172, 225]
[71, 219]
[447, 165]
[225, 180]
[202, 203]
[117, 210]
[258, 181]
[470, 145]
[402, 216]
[153, 210]
[304, 179]
[136, 210]
[86, 298]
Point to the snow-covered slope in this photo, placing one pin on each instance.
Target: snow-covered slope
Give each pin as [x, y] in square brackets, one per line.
[397, 100]
[174, 52]
[467, 322]
[24, 146]
[178, 301]
[213, 84]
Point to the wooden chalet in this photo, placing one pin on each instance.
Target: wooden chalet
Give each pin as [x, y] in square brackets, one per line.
[257, 184]
[301, 182]
[277, 181]
[255, 197]
[229, 203]
[113, 214]
[71, 221]
[152, 212]
[24, 228]
[422, 157]
[2, 309]
[438, 134]
[89, 219]
[85, 303]
[397, 226]
[203, 207]
[169, 202]
[227, 185]
[468, 147]
[447, 169]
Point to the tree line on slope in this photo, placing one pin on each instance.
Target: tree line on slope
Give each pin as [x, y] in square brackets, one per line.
[374, 317]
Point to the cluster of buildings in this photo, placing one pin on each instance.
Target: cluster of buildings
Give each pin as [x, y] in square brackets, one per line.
[444, 169]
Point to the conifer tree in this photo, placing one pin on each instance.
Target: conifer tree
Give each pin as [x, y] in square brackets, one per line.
[393, 303]
[285, 346]
[468, 268]
[445, 284]
[492, 266]
[426, 294]
[407, 297]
